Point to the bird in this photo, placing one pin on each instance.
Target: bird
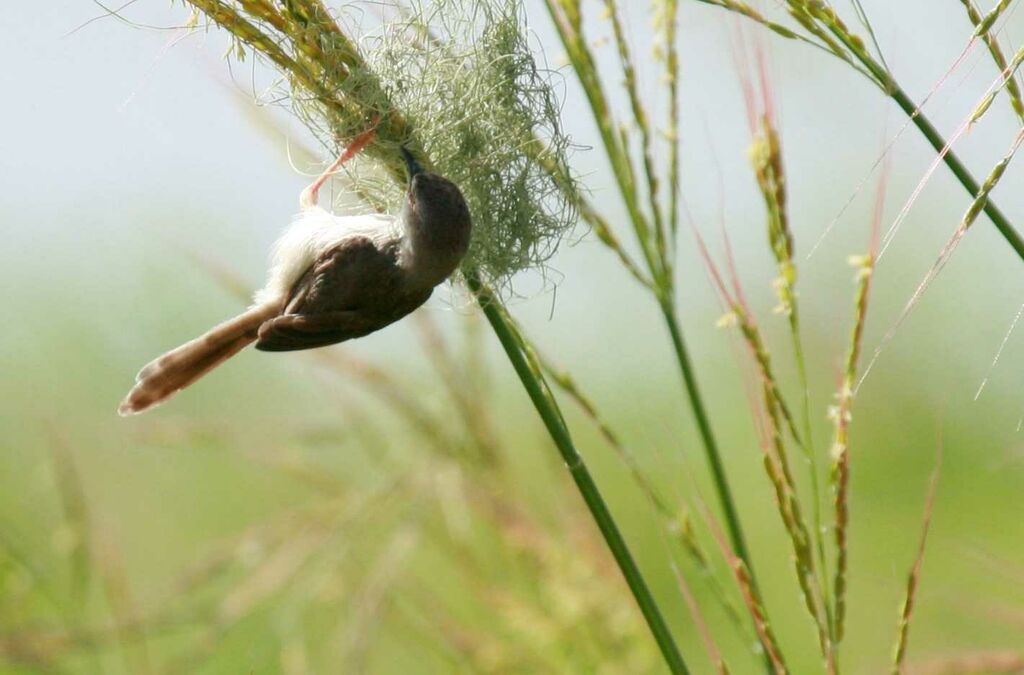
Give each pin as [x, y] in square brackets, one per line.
[332, 278]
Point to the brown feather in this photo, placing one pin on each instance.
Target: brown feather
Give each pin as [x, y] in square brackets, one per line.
[356, 286]
[168, 374]
[351, 290]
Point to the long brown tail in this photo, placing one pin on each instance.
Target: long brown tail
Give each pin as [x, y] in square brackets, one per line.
[168, 374]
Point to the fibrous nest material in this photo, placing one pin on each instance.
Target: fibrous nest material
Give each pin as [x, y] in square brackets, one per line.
[456, 81]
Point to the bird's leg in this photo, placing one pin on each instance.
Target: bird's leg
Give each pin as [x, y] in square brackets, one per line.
[308, 197]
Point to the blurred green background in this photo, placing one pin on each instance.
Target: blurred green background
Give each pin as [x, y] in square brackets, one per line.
[291, 514]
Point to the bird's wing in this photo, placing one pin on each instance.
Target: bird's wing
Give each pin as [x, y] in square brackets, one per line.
[351, 290]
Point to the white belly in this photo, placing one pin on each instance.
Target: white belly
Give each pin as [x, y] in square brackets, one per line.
[311, 233]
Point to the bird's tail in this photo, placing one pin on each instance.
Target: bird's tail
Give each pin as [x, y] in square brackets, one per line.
[168, 374]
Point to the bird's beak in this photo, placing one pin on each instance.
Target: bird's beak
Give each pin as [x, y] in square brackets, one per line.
[411, 164]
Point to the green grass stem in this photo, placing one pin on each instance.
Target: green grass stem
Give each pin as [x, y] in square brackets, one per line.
[889, 84]
[533, 381]
[566, 15]
[714, 457]
[883, 79]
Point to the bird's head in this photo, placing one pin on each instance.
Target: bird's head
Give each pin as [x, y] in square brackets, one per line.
[435, 205]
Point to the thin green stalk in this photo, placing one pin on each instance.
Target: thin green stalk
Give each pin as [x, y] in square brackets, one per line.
[808, 445]
[841, 416]
[931, 134]
[970, 217]
[992, 17]
[818, 536]
[996, 52]
[672, 70]
[1008, 77]
[676, 523]
[863, 17]
[766, 157]
[881, 77]
[963, 175]
[808, 579]
[749, 12]
[640, 118]
[308, 28]
[533, 381]
[913, 578]
[725, 498]
[780, 475]
[752, 599]
[568, 21]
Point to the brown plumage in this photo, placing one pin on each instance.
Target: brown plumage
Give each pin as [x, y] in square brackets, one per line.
[166, 375]
[350, 291]
[334, 278]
